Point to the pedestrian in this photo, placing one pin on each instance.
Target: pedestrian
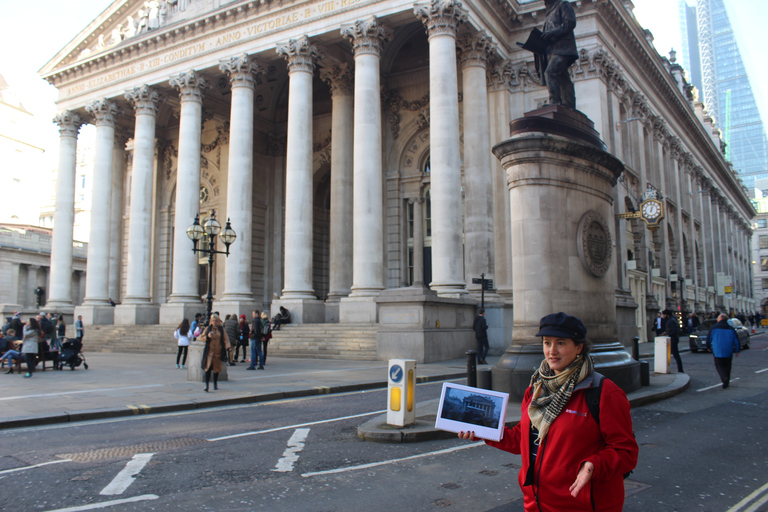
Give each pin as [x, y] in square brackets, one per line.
[10, 349]
[195, 324]
[659, 326]
[257, 356]
[215, 352]
[570, 463]
[723, 342]
[693, 323]
[33, 337]
[282, 317]
[266, 335]
[230, 326]
[244, 335]
[480, 326]
[672, 329]
[17, 325]
[182, 334]
[7, 325]
[61, 333]
[79, 328]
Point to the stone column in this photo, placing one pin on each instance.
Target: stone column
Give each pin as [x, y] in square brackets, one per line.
[298, 294]
[137, 306]
[116, 217]
[418, 242]
[238, 295]
[96, 309]
[184, 300]
[475, 50]
[339, 79]
[367, 37]
[442, 18]
[60, 288]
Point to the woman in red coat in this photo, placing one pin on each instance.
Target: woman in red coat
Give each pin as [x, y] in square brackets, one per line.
[569, 462]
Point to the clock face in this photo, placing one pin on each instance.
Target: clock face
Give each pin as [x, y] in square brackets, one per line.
[651, 210]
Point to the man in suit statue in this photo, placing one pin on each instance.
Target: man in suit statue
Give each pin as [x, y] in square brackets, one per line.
[561, 52]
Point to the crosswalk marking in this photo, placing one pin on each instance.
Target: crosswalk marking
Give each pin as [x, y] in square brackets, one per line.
[291, 454]
[105, 504]
[126, 477]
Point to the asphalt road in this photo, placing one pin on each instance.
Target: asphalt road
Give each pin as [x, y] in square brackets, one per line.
[704, 450]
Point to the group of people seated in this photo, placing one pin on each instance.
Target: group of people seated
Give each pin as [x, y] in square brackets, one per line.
[29, 341]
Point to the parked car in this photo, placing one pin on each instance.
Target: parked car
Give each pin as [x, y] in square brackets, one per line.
[698, 339]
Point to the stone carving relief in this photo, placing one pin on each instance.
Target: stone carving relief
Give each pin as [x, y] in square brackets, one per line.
[395, 104]
[323, 150]
[513, 76]
[594, 243]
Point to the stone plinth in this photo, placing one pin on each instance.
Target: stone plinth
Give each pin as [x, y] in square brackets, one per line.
[358, 310]
[96, 315]
[175, 312]
[195, 358]
[137, 314]
[560, 183]
[416, 323]
[303, 311]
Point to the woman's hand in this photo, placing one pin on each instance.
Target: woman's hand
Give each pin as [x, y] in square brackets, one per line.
[584, 476]
[468, 435]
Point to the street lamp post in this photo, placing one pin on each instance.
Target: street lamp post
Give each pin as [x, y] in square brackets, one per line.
[208, 232]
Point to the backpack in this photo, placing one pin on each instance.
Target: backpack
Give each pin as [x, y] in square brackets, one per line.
[592, 396]
[46, 326]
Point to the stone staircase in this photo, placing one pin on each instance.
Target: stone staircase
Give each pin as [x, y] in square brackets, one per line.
[313, 341]
[325, 341]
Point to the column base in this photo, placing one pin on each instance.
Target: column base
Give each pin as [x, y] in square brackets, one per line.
[194, 364]
[332, 304]
[175, 312]
[358, 310]
[241, 307]
[303, 311]
[96, 315]
[137, 314]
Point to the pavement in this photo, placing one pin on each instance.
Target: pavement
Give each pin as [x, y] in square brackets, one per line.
[126, 384]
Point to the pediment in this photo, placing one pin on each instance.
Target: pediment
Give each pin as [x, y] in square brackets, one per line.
[126, 21]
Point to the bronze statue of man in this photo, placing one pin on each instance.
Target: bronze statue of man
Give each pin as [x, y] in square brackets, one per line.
[561, 52]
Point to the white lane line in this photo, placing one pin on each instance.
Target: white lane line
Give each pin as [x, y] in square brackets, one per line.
[291, 454]
[105, 504]
[715, 386]
[35, 466]
[737, 507]
[763, 370]
[393, 461]
[100, 390]
[277, 429]
[126, 477]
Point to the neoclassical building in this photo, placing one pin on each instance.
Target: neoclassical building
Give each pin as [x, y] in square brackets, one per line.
[349, 144]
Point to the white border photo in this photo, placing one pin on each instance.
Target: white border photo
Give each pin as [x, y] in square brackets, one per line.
[467, 409]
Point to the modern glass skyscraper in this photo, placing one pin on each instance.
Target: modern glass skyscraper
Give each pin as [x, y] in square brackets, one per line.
[724, 83]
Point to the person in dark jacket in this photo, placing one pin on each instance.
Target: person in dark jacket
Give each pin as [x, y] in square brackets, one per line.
[693, 323]
[230, 327]
[17, 325]
[257, 356]
[672, 329]
[243, 334]
[723, 342]
[480, 327]
[561, 52]
[570, 462]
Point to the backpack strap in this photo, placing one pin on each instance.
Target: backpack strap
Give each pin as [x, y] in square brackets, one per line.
[592, 395]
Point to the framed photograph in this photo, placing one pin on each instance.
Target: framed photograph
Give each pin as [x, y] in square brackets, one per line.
[481, 411]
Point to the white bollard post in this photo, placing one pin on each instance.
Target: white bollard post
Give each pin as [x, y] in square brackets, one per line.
[401, 379]
[661, 354]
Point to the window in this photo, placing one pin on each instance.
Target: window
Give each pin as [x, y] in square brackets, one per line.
[765, 283]
[764, 241]
[764, 264]
[762, 223]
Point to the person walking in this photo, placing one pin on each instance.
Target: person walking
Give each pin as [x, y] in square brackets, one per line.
[79, 328]
[243, 335]
[570, 463]
[194, 326]
[693, 323]
[266, 335]
[230, 326]
[723, 342]
[480, 326]
[215, 352]
[659, 324]
[257, 356]
[672, 329]
[183, 335]
[33, 336]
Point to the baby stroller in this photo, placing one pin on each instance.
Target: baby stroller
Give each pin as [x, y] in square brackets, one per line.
[70, 354]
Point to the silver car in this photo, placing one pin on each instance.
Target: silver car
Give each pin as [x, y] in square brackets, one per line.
[698, 339]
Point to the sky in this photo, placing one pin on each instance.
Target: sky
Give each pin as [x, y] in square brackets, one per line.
[32, 32]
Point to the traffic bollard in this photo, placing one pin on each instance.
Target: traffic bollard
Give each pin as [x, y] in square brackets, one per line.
[472, 368]
[636, 348]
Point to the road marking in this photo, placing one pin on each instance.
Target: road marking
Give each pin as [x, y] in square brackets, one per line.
[715, 386]
[291, 454]
[5, 471]
[270, 376]
[296, 426]
[392, 461]
[105, 504]
[745, 501]
[763, 370]
[126, 477]
[101, 390]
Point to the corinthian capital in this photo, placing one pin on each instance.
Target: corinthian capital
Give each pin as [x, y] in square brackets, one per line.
[69, 123]
[241, 71]
[103, 111]
[190, 85]
[144, 99]
[339, 79]
[475, 49]
[367, 36]
[300, 54]
[441, 17]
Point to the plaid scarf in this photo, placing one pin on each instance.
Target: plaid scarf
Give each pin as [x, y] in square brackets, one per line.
[551, 392]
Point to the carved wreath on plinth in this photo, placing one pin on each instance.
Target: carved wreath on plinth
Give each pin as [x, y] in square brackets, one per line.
[594, 243]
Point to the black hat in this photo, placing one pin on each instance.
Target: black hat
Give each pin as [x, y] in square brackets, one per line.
[562, 326]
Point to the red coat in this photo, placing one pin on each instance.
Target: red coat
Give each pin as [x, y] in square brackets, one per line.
[574, 438]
